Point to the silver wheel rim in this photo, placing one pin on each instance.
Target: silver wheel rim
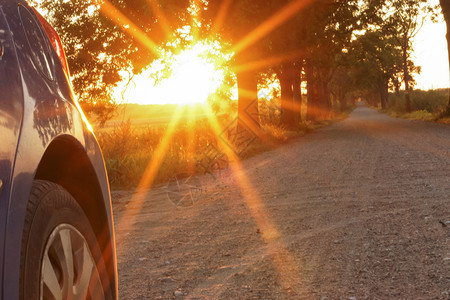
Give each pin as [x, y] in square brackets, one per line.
[68, 270]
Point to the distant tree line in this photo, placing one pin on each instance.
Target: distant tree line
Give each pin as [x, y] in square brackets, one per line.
[340, 50]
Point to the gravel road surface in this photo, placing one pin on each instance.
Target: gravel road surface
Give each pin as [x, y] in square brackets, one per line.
[358, 210]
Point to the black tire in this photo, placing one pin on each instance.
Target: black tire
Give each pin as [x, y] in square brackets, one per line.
[60, 256]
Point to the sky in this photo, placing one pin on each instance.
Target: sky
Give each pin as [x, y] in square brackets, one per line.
[430, 52]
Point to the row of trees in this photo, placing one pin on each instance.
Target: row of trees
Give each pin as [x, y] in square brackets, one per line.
[342, 49]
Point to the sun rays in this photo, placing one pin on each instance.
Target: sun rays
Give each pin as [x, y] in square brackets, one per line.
[115, 15]
[269, 61]
[272, 23]
[162, 20]
[288, 270]
[151, 171]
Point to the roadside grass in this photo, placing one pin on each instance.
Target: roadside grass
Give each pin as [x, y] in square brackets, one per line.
[425, 105]
[194, 148]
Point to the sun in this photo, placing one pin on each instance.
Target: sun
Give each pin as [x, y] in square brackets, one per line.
[188, 78]
[193, 78]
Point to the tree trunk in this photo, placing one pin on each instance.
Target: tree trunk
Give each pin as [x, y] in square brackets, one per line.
[397, 85]
[286, 77]
[297, 93]
[248, 113]
[318, 96]
[311, 90]
[324, 100]
[406, 75]
[342, 98]
[445, 5]
[383, 89]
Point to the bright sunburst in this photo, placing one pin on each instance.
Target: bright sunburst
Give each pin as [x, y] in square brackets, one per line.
[185, 78]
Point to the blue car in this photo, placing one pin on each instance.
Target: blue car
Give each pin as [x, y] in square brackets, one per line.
[56, 229]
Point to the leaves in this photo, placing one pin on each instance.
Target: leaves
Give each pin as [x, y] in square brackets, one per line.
[98, 49]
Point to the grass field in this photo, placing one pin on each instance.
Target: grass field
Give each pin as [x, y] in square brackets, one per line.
[135, 139]
[425, 105]
[152, 115]
[131, 141]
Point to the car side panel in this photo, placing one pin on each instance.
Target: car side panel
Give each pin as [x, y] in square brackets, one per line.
[11, 111]
[49, 112]
[34, 135]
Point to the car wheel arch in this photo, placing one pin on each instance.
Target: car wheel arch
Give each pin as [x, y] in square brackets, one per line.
[65, 162]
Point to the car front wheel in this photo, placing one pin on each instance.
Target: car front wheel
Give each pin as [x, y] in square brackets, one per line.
[60, 257]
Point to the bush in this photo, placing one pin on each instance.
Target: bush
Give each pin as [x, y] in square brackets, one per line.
[433, 101]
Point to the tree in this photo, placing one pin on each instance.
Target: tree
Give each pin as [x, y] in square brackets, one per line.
[233, 21]
[445, 6]
[287, 41]
[289, 74]
[378, 62]
[248, 25]
[315, 35]
[404, 20]
[330, 30]
[104, 38]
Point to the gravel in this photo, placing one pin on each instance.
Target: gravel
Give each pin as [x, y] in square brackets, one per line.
[358, 210]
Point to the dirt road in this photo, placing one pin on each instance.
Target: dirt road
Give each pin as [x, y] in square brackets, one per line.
[358, 210]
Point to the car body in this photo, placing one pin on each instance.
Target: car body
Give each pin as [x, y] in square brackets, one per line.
[45, 141]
